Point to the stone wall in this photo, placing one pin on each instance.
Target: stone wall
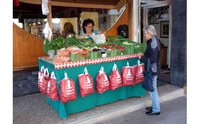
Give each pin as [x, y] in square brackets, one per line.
[25, 82]
[178, 43]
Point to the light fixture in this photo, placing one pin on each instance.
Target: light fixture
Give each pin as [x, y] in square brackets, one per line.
[45, 20]
[56, 20]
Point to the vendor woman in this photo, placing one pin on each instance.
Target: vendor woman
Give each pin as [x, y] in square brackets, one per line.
[88, 29]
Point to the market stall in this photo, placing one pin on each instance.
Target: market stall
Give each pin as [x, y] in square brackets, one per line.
[114, 54]
[74, 69]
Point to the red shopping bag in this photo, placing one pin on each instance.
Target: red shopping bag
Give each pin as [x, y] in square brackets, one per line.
[115, 78]
[52, 89]
[43, 78]
[67, 89]
[139, 77]
[85, 83]
[102, 81]
[128, 75]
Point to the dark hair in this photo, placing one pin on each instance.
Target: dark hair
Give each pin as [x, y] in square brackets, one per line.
[68, 29]
[86, 22]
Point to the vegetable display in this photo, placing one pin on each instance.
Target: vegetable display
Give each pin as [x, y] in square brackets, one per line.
[81, 49]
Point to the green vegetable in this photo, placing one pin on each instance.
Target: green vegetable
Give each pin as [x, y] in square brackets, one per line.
[54, 44]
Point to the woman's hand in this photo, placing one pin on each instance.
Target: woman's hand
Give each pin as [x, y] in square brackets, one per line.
[102, 32]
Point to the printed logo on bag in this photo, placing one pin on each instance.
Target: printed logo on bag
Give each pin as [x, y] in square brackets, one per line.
[69, 88]
[105, 77]
[106, 81]
[141, 69]
[129, 75]
[118, 77]
[88, 83]
[129, 72]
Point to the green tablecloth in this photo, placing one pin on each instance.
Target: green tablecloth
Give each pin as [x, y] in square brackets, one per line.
[95, 99]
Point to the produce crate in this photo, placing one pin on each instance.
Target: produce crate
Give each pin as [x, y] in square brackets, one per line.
[111, 53]
[138, 48]
[120, 41]
[120, 53]
[128, 51]
[95, 55]
[143, 47]
[77, 57]
[113, 38]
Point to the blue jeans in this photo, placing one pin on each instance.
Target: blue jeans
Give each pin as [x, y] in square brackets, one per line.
[154, 96]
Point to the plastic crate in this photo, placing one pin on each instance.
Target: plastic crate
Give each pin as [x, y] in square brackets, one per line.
[111, 53]
[143, 47]
[95, 55]
[76, 57]
[113, 38]
[138, 48]
[120, 41]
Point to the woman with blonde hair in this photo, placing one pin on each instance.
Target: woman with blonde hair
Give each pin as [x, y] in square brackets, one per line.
[152, 53]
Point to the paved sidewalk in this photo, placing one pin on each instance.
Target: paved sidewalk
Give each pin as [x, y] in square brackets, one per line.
[172, 112]
[32, 109]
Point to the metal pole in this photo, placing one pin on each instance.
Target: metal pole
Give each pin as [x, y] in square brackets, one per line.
[136, 19]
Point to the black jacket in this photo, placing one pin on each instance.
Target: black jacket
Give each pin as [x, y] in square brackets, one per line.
[153, 53]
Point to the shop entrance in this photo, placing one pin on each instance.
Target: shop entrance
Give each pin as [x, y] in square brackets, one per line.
[158, 13]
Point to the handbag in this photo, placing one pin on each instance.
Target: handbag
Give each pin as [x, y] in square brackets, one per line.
[148, 81]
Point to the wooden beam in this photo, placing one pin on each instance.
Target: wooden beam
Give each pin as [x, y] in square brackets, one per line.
[120, 4]
[71, 4]
[49, 16]
[130, 20]
[83, 5]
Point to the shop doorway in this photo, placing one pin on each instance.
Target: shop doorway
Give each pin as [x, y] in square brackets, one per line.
[158, 13]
